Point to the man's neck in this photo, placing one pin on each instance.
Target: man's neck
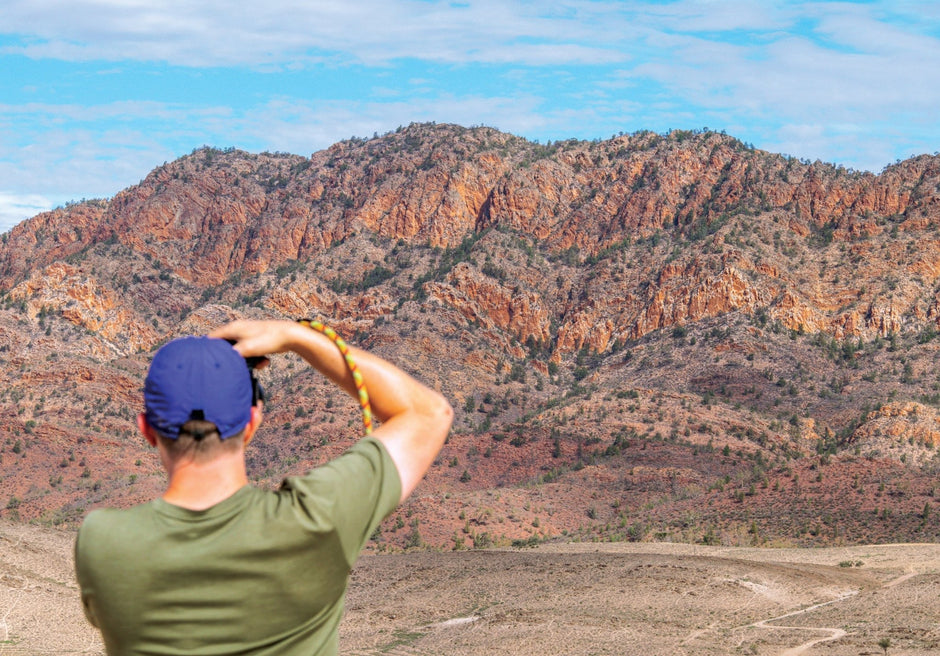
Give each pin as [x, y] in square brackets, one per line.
[197, 486]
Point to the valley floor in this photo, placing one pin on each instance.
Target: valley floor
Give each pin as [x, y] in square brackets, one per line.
[562, 598]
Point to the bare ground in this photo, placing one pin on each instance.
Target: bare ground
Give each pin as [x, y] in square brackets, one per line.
[577, 599]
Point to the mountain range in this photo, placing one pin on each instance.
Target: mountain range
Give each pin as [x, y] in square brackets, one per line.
[651, 337]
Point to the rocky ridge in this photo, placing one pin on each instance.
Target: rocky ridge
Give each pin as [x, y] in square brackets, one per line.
[623, 326]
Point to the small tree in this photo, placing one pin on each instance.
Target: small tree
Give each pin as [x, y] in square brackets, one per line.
[884, 643]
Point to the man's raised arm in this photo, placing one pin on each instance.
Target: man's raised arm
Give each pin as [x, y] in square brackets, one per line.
[415, 419]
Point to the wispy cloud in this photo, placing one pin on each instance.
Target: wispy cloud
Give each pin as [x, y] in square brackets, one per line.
[305, 127]
[216, 33]
[841, 72]
[18, 207]
[98, 92]
[84, 151]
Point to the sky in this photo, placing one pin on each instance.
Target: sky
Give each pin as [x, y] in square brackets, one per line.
[94, 94]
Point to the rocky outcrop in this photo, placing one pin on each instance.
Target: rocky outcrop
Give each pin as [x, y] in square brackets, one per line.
[494, 305]
[64, 290]
[906, 431]
[709, 224]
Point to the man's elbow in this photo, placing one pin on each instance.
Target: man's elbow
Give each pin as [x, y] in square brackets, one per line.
[443, 413]
[438, 416]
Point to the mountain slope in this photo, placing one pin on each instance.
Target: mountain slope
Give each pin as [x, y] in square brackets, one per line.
[606, 317]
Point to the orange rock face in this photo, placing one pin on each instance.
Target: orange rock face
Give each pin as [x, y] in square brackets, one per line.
[64, 290]
[743, 229]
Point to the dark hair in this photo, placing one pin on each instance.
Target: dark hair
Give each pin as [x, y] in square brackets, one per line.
[198, 429]
[201, 438]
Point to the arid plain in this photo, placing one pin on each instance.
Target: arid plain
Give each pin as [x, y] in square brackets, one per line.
[562, 598]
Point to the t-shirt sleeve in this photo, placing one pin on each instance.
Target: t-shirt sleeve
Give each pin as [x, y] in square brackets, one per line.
[350, 495]
[81, 573]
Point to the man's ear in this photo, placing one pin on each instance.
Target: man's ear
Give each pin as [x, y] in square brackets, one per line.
[146, 430]
[253, 423]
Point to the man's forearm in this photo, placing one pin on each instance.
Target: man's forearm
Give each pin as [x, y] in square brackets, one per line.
[415, 419]
[391, 390]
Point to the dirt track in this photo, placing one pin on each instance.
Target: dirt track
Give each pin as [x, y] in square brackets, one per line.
[577, 599]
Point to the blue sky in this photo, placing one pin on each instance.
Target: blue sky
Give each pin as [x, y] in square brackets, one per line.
[96, 93]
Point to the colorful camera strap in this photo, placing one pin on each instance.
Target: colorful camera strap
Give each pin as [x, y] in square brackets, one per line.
[361, 390]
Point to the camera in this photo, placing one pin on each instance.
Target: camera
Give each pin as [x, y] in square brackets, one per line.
[253, 361]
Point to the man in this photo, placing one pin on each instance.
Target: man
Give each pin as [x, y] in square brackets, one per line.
[216, 566]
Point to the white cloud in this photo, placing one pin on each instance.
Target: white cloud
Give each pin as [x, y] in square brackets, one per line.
[214, 33]
[15, 208]
[827, 65]
[304, 127]
[718, 53]
[58, 156]
[110, 151]
[823, 142]
[716, 16]
[793, 75]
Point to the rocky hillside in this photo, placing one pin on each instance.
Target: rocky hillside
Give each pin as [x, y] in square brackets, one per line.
[654, 336]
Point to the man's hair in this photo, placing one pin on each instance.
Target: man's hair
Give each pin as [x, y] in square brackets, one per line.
[201, 439]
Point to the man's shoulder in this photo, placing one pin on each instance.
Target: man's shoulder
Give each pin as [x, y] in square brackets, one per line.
[366, 457]
[107, 519]
[103, 534]
[108, 512]
[356, 489]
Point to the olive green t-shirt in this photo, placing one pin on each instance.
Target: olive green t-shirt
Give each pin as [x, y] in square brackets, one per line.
[259, 573]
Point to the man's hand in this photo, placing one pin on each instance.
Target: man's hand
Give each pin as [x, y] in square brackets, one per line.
[258, 338]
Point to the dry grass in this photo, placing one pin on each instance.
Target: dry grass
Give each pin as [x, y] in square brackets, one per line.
[573, 599]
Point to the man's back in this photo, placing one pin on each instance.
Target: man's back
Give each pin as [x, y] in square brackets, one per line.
[259, 573]
[215, 567]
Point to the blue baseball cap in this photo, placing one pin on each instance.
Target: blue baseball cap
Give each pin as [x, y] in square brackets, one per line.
[198, 378]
